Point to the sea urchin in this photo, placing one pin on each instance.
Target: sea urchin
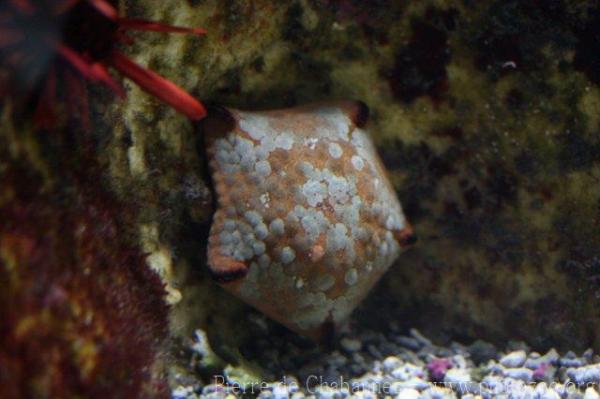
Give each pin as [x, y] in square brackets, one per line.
[45, 44]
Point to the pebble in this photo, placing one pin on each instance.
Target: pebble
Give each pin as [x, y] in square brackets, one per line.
[212, 388]
[542, 391]
[409, 343]
[364, 395]
[407, 371]
[329, 393]
[481, 352]
[591, 393]
[414, 383]
[576, 362]
[535, 360]
[409, 394]
[266, 394]
[520, 373]
[588, 355]
[457, 376]
[585, 374]
[419, 337]
[514, 359]
[350, 345]
[437, 393]
[391, 363]
[281, 392]
[187, 392]
[201, 345]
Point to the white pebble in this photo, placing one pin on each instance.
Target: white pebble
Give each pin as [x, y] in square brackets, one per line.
[585, 374]
[457, 376]
[391, 362]
[351, 345]
[520, 373]
[514, 359]
[408, 394]
[591, 393]
[280, 392]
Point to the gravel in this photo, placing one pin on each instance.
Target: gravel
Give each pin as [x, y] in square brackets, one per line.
[371, 365]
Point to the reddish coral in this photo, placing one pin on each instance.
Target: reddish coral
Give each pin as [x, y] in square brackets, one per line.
[47, 44]
[81, 314]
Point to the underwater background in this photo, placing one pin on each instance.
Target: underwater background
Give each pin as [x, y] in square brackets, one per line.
[486, 115]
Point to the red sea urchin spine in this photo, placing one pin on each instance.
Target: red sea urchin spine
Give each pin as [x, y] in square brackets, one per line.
[103, 7]
[148, 80]
[158, 86]
[152, 26]
[94, 72]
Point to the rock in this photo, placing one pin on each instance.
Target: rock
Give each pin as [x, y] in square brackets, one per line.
[212, 388]
[573, 362]
[481, 351]
[457, 376]
[460, 381]
[438, 393]
[585, 374]
[591, 393]
[350, 345]
[514, 359]
[544, 392]
[182, 392]
[420, 337]
[409, 394]
[325, 392]
[535, 360]
[520, 373]
[409, 342]
[407, 371]
[265, 394]
[365, 394]
[281, 391]
[413, 383]
[390, 363]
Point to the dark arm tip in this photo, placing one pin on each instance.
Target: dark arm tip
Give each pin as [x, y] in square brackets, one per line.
[227, 276]
[409, 240]
[361, 114]
[219, 120]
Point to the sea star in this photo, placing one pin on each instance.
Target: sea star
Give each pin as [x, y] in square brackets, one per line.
[307, 221]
